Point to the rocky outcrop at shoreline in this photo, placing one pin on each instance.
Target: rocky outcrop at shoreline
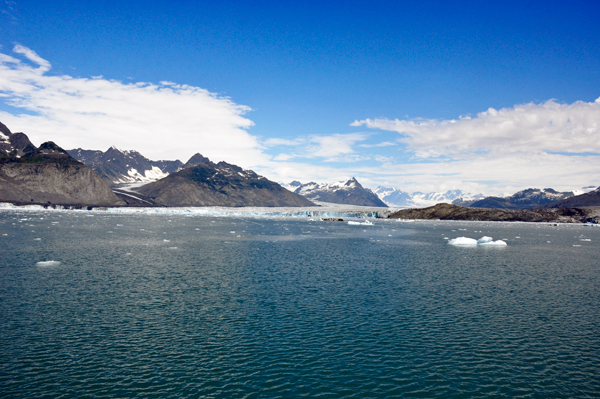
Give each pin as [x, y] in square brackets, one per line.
[454, 212]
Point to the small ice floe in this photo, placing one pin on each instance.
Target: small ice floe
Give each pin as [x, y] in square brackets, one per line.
[365, 223]
[484, 241]
[232, 232]
[167, 240]
[576, 245]
[585, 239]
[37, 239]
[48, 263]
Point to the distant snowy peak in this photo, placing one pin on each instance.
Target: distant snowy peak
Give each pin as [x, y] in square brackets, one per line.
[400, 199]
[529, 198]
[349, 192]
[524, 199]
[118, 167]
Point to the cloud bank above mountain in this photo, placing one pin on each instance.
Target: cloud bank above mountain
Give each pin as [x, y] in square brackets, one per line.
[527, 128]
[162, 121]
[529, 145]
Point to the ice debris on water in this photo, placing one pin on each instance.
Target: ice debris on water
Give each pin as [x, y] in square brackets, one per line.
[48, 263]
[484, 241]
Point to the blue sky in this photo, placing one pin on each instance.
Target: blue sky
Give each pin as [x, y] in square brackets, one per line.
[315, 91]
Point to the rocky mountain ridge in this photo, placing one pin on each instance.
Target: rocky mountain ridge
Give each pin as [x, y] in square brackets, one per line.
[588, 199]
[47, 175]
[117, 167]
[221, 184]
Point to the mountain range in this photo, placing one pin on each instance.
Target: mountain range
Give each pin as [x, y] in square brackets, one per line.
[117, 167]
[50, 175]
[524, 199]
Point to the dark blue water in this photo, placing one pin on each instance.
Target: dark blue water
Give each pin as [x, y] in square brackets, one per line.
[176, 306]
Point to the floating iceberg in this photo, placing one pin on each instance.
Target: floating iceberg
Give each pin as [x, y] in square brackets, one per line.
[48, 263]
[365, 223]
[463, 241]
[484, 241]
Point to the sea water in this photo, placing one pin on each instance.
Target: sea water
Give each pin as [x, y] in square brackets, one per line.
[101, 304]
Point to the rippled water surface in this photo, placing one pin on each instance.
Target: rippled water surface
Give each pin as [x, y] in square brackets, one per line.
[176, 306]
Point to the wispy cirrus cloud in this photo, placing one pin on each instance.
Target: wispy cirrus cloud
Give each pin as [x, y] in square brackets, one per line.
[164, 120]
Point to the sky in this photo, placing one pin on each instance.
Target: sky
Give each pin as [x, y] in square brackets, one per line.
[487, 97]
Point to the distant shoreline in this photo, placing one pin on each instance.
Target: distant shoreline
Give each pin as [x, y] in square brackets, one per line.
[446, 212]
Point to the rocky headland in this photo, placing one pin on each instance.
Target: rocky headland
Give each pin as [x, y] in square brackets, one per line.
[455, 212]
[47, 175]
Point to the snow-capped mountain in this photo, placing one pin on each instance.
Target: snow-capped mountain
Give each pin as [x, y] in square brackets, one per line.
[397, 198]
[121, 167]
[524, 199]
[349, 192]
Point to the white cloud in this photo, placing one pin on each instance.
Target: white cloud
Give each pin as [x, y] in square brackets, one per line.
[274, 142]
[32, 56]
[334, 147]
[162, 121]
[383, 144]
[550, 126]
[498, 151]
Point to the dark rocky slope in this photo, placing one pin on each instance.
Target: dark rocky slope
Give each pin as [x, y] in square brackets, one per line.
[47, 175]
[454, 212]
[584, 200]
[222, 184]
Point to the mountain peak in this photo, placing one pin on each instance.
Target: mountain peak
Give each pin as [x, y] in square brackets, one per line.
[196, 159]
[348, 192]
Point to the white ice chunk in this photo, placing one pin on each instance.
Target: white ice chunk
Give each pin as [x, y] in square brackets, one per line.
[484, 239]
[462, 241]
[498, 243]
[48, 263]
